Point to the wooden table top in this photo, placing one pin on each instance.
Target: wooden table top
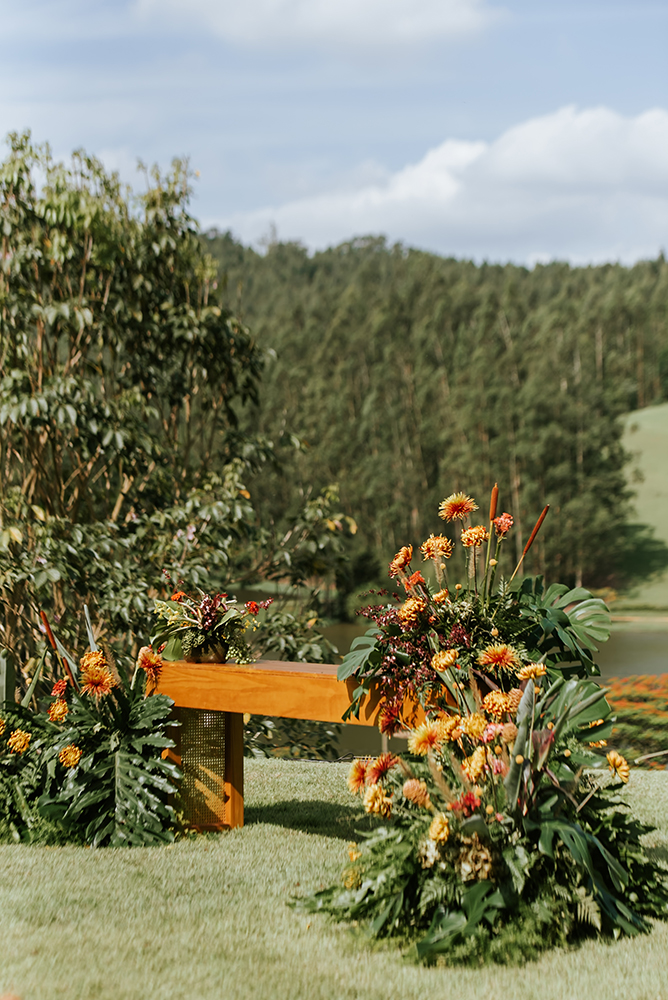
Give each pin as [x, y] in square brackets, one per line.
[267, 687]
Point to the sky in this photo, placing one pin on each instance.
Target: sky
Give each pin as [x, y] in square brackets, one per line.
[529, 130]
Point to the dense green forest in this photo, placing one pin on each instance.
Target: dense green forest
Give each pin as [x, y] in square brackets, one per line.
[408, 376]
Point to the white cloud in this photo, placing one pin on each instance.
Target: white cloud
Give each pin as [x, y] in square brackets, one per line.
[586, 185]
[371, 23]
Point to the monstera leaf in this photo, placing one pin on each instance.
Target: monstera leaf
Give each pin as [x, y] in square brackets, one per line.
[572, 619]
[118, 794]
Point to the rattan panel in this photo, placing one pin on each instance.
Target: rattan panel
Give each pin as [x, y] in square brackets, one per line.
[201, 744]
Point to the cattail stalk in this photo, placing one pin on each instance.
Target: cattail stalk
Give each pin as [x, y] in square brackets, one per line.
[52, 641]
[494, 499]
[531, 540]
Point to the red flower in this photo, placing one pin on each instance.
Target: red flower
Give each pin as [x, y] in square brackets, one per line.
[178, 595]
[503, 524]
[389, 720]
[252, 607]
[468, 803]
[413, 580]
[379, 767]
[59, 688]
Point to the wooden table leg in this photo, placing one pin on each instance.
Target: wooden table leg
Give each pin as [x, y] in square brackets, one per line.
[234, 769]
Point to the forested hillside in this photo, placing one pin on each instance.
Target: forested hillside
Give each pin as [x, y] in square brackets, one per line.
[410, 376]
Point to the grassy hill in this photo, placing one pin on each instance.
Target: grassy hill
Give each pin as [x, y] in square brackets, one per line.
[646, 437]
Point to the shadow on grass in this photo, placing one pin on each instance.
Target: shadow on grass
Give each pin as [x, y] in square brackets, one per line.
[324, 818]
[659, 852]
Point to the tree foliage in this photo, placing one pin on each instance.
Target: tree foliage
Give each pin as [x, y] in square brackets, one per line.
[409, 375]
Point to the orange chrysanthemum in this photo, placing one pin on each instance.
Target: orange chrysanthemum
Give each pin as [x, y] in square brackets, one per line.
[178, 596]
[58, 710]
[379, 767]
[410, 611]
[618, 765]
[97, 678]
[3, 725]
[401, 560]
[472, 538]
[19, 741]
[500, 656]
[496, 704]
[357, 774]
[353, 852]
[441, 597]
[456, 507]
[437, 547]
[150, 662]
[425, 738]
[416, 792]
[70, 755]
[439, 828]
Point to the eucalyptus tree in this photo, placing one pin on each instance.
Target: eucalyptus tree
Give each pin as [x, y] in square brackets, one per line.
[122, 378]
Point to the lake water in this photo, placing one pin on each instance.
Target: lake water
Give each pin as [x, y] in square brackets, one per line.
[629, 650]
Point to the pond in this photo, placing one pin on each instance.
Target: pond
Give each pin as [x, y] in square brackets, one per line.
[636, 647]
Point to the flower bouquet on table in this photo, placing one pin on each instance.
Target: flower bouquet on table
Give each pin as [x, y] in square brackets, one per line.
[204, 627]
[501, 831]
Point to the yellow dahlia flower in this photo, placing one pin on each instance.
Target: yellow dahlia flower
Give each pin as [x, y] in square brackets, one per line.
[474, 725]
[70, 755]
[618, 765]
[472, 538]
[19, 741]
[444, 659]
[376, 801]
[439, 828]
[474, 765]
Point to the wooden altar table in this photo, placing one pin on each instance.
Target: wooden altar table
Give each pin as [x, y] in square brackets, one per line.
[221, 694]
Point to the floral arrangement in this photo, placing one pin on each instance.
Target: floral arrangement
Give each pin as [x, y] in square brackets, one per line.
[205, 626]
[88, 765]
[499, 834]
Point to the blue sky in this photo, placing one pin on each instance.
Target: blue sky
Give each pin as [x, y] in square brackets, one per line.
[523, 131]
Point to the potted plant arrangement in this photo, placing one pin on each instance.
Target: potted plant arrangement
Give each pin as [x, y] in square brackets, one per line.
[205, 628]
[499, 833]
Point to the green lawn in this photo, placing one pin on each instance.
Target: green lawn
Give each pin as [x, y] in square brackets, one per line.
[646, 438]
[206, 918]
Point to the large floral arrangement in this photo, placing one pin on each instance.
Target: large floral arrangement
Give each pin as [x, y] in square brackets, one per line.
[500, 834]
[87, 764]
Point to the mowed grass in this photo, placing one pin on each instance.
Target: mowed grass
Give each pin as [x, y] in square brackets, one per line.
[207, 917]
